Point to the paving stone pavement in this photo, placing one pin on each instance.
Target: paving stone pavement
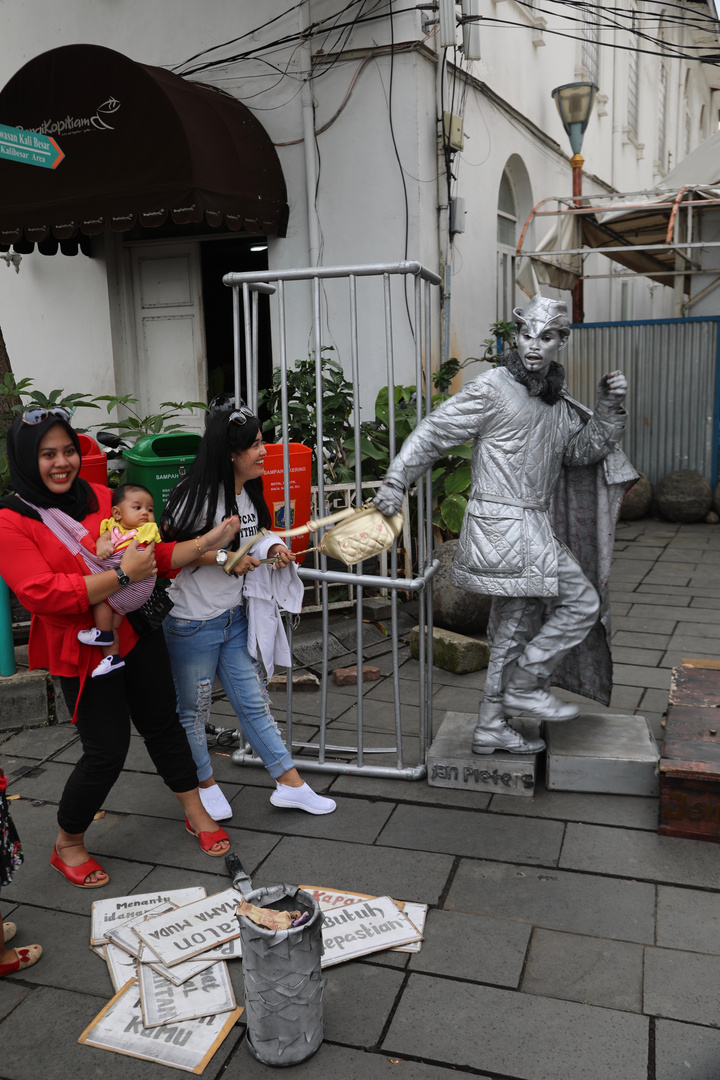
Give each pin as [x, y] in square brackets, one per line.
[565, 939]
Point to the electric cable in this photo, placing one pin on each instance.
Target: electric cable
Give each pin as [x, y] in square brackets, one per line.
[287, 40]
[667, 50]
[712, 60]
[232, 41]
[609, 23]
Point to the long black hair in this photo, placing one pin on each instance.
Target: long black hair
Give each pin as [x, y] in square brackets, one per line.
[23, 446]
[193, 503]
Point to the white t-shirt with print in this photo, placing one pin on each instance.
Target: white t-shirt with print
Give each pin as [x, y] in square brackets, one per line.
[204, 592]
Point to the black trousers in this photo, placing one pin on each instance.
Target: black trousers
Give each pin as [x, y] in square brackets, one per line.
[142, 691]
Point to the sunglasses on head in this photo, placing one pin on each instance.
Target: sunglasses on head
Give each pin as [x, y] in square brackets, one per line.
[241, 415]
[36, 416]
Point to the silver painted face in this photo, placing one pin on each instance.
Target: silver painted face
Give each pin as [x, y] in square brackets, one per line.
[538, 350]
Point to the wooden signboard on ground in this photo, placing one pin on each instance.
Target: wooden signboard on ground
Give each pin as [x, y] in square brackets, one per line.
[181, 972]
[122, 967]
[124, 936]
[193, 929]
[164, 1003]
[188, 1045]
[112, 910]
[328, 899]
[364, 927]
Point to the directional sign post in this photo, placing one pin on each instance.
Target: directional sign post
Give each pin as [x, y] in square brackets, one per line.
[29, 148]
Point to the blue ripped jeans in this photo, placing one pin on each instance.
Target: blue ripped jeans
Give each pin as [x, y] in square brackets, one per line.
[198, 652]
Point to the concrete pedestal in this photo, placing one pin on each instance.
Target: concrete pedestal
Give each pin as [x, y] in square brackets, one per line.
[452, 764]
[602, 752]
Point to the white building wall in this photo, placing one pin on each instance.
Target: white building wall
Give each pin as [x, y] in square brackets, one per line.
[56, 314]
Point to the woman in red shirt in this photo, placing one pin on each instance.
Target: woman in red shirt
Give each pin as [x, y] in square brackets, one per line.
[53, 517]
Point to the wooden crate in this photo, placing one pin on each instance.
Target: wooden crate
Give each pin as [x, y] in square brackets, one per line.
[690, 765]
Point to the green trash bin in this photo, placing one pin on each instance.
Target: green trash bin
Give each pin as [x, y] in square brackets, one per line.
[159, 461]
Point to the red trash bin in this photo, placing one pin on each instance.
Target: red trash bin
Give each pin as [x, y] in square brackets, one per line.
[300, 474]
[93, 466]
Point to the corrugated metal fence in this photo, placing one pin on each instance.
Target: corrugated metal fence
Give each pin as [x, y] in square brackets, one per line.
[673, 371]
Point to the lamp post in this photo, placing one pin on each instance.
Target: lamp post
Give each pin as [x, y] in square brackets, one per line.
[574, 103]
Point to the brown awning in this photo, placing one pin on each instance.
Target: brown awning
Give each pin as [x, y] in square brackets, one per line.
[140, 145]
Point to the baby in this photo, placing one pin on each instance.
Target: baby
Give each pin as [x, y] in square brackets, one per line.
[133, 519]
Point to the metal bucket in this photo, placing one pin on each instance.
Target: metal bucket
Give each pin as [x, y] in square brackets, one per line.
[283, 982]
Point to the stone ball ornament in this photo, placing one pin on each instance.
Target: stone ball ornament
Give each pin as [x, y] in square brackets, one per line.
[637, 501]
[684, 496]
[456, 609]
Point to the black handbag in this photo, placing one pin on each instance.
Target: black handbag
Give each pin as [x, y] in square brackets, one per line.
[150, 616]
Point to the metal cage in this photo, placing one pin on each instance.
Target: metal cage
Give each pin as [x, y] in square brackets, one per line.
[282, 287]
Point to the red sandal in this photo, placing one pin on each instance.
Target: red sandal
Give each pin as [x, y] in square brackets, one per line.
[76, 874]
[26, 957]
[207, 839]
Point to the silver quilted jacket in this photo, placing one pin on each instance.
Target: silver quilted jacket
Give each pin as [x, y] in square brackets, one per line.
[520, 445]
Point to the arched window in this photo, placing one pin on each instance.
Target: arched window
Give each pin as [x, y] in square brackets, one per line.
[662, 154]
[663, 157]
[687, 109]
[507, 213]
[507, 220]
[514, 203]
[590, 47]
[633, 98]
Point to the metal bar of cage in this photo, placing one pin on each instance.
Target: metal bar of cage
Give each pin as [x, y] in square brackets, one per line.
[332, 757]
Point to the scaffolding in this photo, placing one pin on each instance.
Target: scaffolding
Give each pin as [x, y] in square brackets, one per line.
[655, 234]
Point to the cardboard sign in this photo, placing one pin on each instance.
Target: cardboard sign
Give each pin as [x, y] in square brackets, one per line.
[193, 929]
[364, 927]
[417, 914]
[332, 898]
[188, 1045]
[121, 965]
[230, 950]
[110, 911]
[178, 974]
[123, 935]
[164, 1003]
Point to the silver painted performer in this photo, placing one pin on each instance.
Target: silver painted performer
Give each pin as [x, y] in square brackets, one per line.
[547, 482]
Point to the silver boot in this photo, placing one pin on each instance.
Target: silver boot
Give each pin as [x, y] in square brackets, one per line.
[526, 696]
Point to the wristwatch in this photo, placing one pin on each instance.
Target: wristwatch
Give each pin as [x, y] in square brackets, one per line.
[122, 576]
[221, 557]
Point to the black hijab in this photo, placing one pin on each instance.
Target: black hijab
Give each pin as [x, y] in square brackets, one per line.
[23, 444]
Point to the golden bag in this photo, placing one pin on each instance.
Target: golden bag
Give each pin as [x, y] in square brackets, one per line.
[355, 535]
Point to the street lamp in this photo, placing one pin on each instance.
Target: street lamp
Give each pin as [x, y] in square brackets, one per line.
[574, 103]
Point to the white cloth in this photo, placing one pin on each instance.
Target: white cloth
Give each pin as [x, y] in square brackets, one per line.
[266, 591]
[204, 592]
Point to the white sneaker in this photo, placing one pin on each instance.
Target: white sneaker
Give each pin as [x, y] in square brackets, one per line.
[107, 665]
[215, 803]
[301, 798]
[96, 637]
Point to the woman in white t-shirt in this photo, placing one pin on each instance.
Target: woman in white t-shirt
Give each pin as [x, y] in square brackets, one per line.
[207, 632]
